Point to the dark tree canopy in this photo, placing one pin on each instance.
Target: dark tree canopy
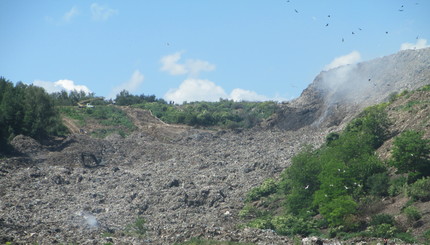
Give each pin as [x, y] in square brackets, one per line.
[28, 110]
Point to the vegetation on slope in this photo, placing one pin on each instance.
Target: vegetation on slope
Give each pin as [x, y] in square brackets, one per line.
[108, 119]
[331, 190]
[27, 110]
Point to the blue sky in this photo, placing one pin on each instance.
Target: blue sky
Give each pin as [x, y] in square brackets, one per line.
[200, 50]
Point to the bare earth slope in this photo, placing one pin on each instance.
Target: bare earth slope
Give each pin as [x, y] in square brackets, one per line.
[184, 182]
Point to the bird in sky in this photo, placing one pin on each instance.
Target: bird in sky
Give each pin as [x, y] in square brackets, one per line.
[326, 24]
[296, 11]
[353, 33]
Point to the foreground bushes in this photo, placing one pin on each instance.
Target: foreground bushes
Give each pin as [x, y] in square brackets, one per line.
[333, 187]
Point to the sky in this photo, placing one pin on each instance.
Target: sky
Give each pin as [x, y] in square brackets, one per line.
[195, 50]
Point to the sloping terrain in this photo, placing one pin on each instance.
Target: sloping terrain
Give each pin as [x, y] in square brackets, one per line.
[185, 182]
[183, 188]
[335, 96]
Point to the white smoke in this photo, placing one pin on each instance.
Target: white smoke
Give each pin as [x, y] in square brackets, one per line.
[89, 219]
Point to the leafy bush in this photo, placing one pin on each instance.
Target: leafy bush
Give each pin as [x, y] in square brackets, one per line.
[261, 223]
[393, 97]
[410, 154]
[290, 225]
[406, 237]
[420, 190]
[412, 213]
[250, 211]
[378, 184]
[382, 219]
[138, 227]
[268, 187]
[336, 210]
[382, 230]
[374, 123]
[426, 234]
[397, 186]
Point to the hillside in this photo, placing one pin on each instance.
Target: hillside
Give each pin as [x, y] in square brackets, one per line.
[192, 182]
[337, 95]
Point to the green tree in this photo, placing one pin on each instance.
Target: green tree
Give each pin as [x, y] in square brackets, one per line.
[302, 178]
[338, 209]
[411, 154]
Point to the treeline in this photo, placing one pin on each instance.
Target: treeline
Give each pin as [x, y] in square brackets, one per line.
[333, 187]
[28, 110]
[224, 113]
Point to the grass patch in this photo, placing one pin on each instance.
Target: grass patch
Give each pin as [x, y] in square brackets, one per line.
[106, 119]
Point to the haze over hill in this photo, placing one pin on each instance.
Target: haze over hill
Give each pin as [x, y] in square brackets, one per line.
[340, 93]
[184, 181]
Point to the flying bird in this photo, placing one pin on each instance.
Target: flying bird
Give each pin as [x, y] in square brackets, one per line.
[296, 11]
[306, 187]
[353, 33]
[326, 24]
[360, 29]
[386, 32]
[328, 16]
[343, 39]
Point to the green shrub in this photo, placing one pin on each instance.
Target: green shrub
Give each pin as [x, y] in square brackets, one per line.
[250, 211]
[382, 219]
[291, 225]
[393, 97]
[382, 230]
[406, 237]
[336, 210]
[261, 223]
[412, 213]
[426, 236]
[137, 228]
[397, 186]
[268, 187]
[410, 154]
[420, 190]
[378, 184]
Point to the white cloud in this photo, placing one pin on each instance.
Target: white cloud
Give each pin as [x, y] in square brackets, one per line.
[131, 85]
[196, 90]
[348, 59]
[193, 89]
[171, 66]
[194, 67]
[101, 13]
[60, 85]
[70, 14]
[421, 43]
[191, 67]
[239, 94]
